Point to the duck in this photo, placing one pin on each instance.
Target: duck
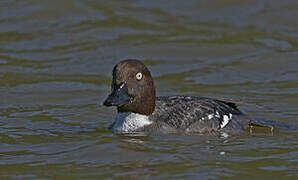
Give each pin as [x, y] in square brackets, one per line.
[140, 111]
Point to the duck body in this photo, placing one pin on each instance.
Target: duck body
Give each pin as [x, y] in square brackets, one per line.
[191, 114]
[187, 114]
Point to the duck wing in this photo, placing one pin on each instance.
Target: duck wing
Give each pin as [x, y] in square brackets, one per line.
[198, 114]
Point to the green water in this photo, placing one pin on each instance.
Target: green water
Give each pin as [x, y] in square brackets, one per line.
[56, 59]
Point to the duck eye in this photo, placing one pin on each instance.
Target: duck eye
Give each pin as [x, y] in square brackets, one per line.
[139, 76]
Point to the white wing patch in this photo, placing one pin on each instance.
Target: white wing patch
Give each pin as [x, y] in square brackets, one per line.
[217, 114]
[210, 116]
[226, 120]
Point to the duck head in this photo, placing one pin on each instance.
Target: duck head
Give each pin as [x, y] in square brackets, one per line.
[132, 88]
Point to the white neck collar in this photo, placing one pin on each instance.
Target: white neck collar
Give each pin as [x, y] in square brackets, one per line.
[129, 122]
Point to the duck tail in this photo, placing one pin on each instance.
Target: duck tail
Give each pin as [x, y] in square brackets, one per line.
[270, 125]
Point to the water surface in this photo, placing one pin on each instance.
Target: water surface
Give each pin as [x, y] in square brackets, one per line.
[56, 59]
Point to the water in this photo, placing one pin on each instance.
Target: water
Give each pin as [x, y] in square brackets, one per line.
[56, 59]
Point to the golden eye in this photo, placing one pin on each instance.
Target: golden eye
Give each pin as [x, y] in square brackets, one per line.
[139, 76]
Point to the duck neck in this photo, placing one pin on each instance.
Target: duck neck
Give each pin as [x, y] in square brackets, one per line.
[130, 122]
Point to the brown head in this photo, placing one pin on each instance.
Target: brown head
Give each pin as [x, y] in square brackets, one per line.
[132, 88]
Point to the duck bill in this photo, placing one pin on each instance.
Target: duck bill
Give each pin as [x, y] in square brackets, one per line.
[118, 97]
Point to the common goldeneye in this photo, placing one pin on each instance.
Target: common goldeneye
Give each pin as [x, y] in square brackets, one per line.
[133, 93]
